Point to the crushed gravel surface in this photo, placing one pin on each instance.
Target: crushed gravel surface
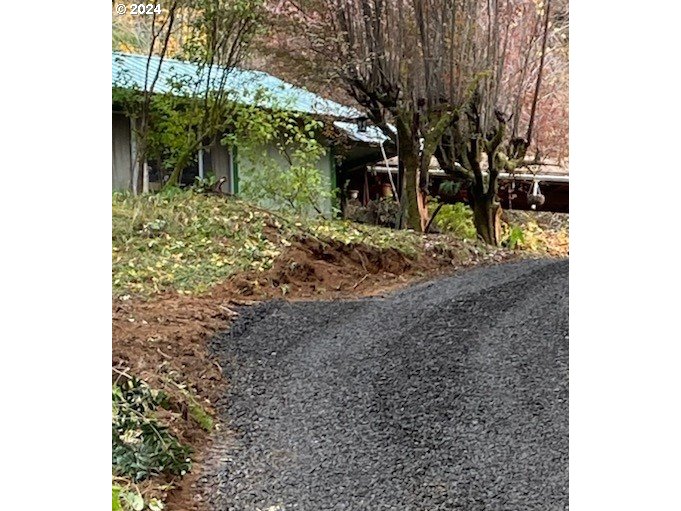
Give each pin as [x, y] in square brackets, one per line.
[449, 395]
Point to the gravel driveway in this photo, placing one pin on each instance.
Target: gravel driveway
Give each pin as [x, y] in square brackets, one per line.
[447, 395]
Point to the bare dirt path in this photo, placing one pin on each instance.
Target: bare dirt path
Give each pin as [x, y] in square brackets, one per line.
[451, 394]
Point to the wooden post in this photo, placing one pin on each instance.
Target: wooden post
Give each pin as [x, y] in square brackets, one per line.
[133, 157]
[201, 163]
[145, 178]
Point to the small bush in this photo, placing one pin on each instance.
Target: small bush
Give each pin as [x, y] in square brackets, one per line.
[384, 212]
[515, 238]
[141, 447]
[206, 184]
[538, 233]
[456, 219]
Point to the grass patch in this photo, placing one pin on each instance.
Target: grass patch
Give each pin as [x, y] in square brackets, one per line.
[200, 415]
[347, 232]
[187, 242]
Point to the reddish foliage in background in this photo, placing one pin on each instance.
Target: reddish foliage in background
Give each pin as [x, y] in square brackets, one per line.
[284, 51]
[550, 131]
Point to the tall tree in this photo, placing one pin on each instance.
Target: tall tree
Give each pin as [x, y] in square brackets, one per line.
[383, 55]
[216, 39]
[477, 145]
[138, 103]
[449, 75]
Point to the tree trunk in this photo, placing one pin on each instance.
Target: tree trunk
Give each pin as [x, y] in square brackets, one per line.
[410, 205]
[138, 150]
[408, 154]
[487, 219]
[422, 203]
[174, 179]
[135, 179]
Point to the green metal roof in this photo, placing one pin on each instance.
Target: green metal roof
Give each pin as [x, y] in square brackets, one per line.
[250, 87]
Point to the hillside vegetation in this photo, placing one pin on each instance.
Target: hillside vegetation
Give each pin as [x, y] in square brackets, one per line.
[187, 242]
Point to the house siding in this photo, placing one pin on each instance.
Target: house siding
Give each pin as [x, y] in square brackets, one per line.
[121, 152]
[220, 161]
[221, 165]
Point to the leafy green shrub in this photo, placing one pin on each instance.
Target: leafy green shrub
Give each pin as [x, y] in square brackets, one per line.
[300, 189]
[207, 184]
[456, 219]
[129, 498]
[141, 447]
[384, 212]
[387, 211]
[515, 238]
[279, 154]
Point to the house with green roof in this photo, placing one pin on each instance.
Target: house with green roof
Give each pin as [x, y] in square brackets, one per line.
[350, 143]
